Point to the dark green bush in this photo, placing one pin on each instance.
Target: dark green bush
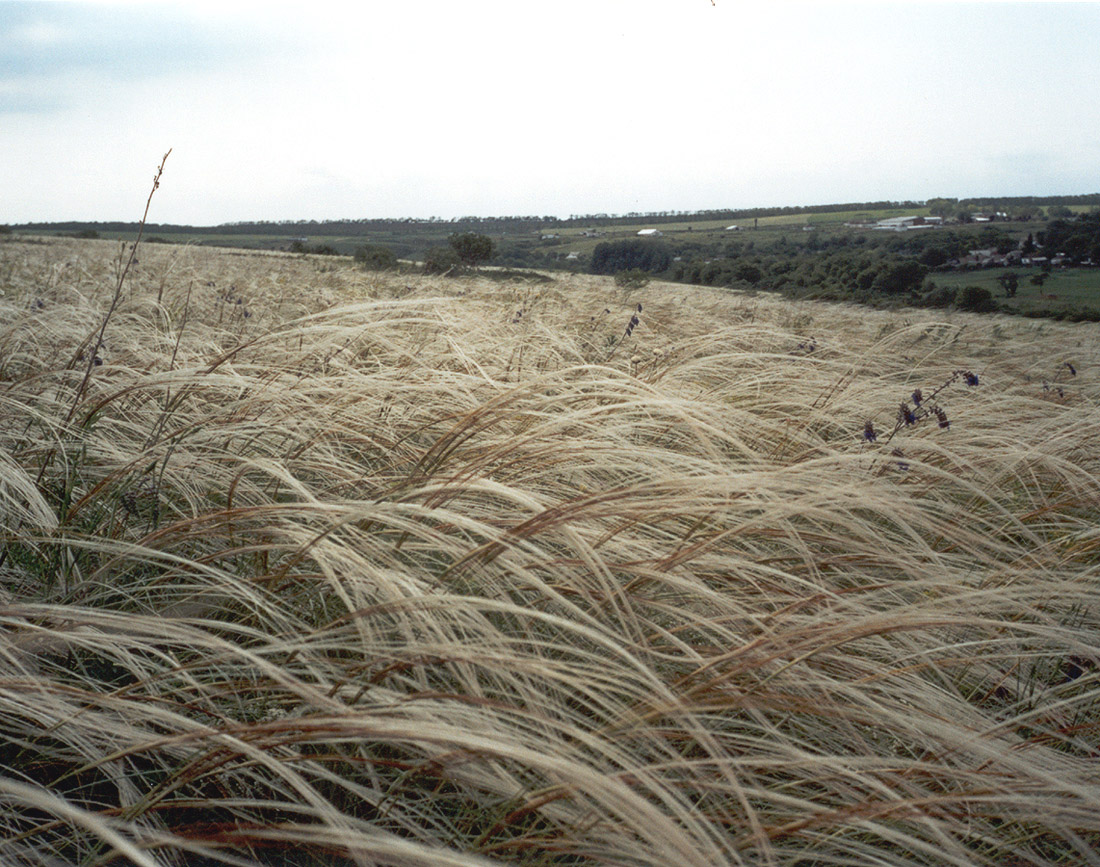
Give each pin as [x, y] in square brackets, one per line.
[938, 296]
[471, 248]
[904, 276]
[976, 299]
[300, 246]
[611, 257]
[442, 260]
[748, 272]
[634, 278]
[375, 257]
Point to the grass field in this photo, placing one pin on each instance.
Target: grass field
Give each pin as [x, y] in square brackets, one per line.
[308, 565]
[1064, 289]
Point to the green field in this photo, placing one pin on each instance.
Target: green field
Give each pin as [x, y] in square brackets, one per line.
[1063, 289]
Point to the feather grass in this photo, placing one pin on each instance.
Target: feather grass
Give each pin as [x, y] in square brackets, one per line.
[386, 574]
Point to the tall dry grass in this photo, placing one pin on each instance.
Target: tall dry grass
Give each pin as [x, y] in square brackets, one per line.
[322, 566]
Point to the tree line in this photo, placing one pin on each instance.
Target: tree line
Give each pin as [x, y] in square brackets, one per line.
[864, 267]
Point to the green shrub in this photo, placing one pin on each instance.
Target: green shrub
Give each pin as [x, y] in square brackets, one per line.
[471, 248]
[904, 276]
[442, 260]
[300, 246]
[748, 272]
[938, 296]
[1083, 314]
[611, 257]
[634, 278]
[375, 257]
[976, 299]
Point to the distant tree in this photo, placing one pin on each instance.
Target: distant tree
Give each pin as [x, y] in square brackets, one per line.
[748, 272]
[635, 278]
[1059, 211]
[1078, 238]
[865, 279]
[933, 257]
[300, 246]
[1010, 282]
[904, 276]
[996, 238]
[375, 257]
[942, 207]
[611, 257]
[977, 299]
[938, 296]
[471, 248]
[442, 260]
[1039, 279]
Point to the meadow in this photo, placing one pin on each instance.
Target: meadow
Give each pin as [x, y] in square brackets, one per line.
[1064, 289]
[303, 564]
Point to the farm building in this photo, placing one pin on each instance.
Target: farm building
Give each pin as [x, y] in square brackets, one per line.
[650, 233]
[906, 224]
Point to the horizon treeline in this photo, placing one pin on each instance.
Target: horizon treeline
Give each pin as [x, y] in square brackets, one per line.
[504, 224]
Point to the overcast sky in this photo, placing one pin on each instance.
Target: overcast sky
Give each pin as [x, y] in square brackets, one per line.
[498, 107]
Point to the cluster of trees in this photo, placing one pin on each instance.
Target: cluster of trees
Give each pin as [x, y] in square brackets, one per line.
[868, 267]
[827, 270]
[1012, 207]
[387, 225]
[375, 257]
[724, 213]
[639, 254]
[717, 272]
[300, 246]
[464, 250]
[1078, 239]
[1015, 206]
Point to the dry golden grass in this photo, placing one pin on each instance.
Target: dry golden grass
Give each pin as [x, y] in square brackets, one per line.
[322, 566]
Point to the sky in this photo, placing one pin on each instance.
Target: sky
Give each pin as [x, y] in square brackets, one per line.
[447, 108]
